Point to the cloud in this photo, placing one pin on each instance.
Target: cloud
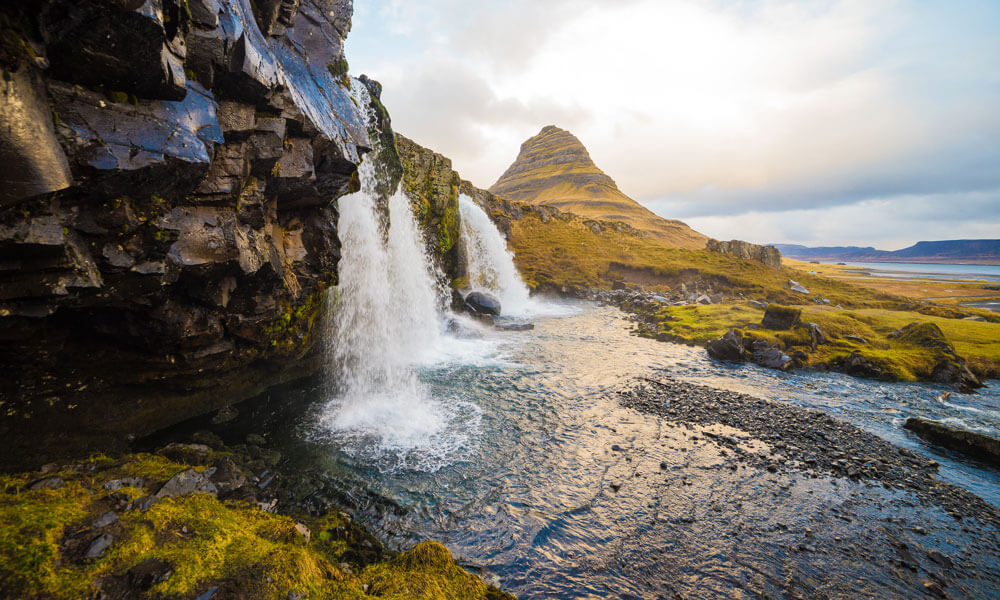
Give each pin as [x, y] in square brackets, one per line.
[704, 108]
[889, 224]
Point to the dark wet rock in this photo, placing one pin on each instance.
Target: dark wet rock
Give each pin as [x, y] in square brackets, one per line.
[186, 483]
[227, 476]
[104, 520]
[255, 439]
[858, 365]
[730, 347]
[773, 358]
[952, 370]
[117, 484]
[35, 163]
[148, 573]
[516, 326]
[482, 303]
[100, 545]
[977, 445]
[781, 317]
[460, 329]
[49, 483]
[192, 454]
[144, 503]
[167, 213]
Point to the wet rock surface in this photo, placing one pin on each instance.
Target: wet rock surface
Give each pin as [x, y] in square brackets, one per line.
[971, 443]
[482, 303]
[806, 441]
[167, 209]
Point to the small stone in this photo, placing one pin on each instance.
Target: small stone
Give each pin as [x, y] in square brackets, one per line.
[117, 484]
[303, 531]
[663, 465]
[186, 483]
[940, 558]
[149, 573]
[99, 546]
[208, 594]
[143, 504]
[49, 483]
[104, 520]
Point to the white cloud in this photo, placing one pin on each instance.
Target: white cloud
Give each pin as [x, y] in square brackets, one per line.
[702, 108]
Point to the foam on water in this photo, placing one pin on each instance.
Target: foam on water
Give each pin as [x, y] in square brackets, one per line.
[490, 263]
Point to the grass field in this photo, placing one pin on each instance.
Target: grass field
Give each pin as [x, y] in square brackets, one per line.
[567, 253]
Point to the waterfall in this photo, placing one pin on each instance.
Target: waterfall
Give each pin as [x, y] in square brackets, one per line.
[385, 320]
[490, 263]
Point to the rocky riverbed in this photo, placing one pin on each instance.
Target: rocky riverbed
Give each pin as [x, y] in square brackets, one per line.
[791, 446]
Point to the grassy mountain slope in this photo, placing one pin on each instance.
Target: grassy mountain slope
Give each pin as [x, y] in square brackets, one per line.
[554, 169]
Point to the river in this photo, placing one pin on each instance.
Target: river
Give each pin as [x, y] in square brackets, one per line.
[509, 459]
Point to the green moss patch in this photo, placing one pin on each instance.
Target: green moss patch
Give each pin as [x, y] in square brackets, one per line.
[204, 542]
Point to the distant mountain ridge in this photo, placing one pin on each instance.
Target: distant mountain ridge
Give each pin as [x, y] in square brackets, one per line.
[553, 168]
[944, 251]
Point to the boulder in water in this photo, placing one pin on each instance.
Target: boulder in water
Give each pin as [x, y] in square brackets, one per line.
[482, 303]
[974, 444]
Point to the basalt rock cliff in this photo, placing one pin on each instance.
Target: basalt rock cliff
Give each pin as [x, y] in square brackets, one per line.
[170, 178]
[554, 169]
[769, 255]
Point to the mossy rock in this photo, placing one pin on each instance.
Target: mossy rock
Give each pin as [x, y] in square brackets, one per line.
[923, 335]
[779, 317]
[197, 541]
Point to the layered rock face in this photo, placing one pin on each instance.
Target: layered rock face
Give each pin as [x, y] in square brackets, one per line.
[769, 255]
[554, 169]
[168, 207]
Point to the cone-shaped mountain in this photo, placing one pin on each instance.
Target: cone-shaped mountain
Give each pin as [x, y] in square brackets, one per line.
[555, 169]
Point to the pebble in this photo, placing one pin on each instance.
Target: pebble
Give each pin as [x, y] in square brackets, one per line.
[100, 545]
[104, 520]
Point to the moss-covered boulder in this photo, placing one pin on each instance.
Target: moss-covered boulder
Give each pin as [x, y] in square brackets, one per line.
[779, 317]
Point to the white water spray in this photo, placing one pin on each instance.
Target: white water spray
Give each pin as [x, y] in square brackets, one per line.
[385, 319]
[490, 263]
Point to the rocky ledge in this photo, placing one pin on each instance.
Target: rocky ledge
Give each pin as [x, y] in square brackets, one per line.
[168, 208]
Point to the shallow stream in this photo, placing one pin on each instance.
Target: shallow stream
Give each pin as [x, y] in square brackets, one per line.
[507, 458]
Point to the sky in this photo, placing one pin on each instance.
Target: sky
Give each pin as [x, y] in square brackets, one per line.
[817, 122]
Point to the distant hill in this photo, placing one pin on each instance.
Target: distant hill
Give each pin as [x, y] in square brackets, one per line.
[985, 252]
[554, 169]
